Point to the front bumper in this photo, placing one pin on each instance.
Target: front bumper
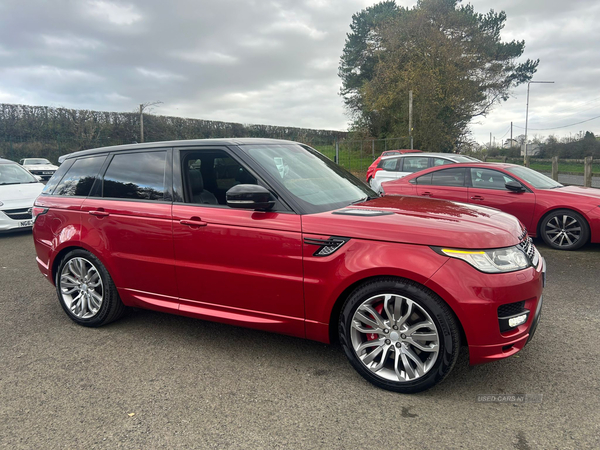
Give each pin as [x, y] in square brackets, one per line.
[475, 297]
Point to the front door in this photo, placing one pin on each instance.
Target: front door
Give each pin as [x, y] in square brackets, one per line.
[233, 265]
[488, 189]
[448, 184]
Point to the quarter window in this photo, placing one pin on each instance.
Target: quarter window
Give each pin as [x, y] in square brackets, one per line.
[138, 176]
[79, 179]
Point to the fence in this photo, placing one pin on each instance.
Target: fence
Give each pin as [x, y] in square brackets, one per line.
[569, 168]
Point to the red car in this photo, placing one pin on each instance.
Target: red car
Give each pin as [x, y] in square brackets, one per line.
[373, 167]
[565, 217]
[272, 235]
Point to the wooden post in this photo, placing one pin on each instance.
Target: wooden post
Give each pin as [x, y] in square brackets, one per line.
[555, 168]
[587, 172]
[337, 151]
[484, 158]
[504, 159]
[527, 161]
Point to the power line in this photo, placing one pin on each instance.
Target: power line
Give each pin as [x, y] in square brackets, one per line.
[564, 126]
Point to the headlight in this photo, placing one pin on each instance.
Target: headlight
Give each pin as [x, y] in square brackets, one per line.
[491, 261]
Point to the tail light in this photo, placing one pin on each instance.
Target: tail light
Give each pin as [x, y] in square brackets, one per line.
[37, 211]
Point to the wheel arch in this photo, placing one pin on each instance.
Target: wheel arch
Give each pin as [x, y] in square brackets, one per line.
[339, 303]
[538, 226]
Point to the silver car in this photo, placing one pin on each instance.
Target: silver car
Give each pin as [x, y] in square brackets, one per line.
[39, 166]
[397, 166]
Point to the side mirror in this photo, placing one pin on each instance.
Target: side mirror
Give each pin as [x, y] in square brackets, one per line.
[514, 186]
[37, 177]
[249, 196]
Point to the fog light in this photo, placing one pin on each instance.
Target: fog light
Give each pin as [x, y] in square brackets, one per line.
[516, 321]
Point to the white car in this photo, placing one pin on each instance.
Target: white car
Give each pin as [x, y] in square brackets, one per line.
[40, 167]
[18, 191]
[398, 166]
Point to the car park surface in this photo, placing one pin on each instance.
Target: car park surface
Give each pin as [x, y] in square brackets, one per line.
[566, 217]
[271, 235]
[153, 380]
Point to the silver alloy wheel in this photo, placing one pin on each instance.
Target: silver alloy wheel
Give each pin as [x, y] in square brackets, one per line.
[563, 230]
[399, 344]
[81, 288]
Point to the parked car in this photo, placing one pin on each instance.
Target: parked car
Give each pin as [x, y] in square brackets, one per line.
[18, 190]
[565, 217]
[373, 167]
[272, 235]
[395, 167]
[39, 166]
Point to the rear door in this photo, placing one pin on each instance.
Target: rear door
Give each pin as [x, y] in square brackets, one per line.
[487, 188]
[128, 219]
[448, 184]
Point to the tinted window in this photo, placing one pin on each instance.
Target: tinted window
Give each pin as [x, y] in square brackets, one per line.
[139, 176]
[208, 175]
[60, 172]
[80, 177]
[415, 163]
[489, 179]
[425, 179]
[448, 177]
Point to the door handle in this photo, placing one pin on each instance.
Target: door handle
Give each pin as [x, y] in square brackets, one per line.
[193, 222]
[477, 197]
[99, 213]
[428, 194]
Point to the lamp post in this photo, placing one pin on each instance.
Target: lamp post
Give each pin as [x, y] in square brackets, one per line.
[527, 113]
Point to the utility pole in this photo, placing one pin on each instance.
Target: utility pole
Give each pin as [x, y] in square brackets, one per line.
[511, 139]
[410, 127]
[527, 114]
[143, 106]
[490, 141]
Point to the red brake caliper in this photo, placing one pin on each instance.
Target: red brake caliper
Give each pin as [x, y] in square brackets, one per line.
[373, 336]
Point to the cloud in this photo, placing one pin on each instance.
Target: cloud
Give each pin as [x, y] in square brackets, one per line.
[253, 61]
[114, 13]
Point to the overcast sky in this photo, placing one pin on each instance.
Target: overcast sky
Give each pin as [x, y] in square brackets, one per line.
[268, 62]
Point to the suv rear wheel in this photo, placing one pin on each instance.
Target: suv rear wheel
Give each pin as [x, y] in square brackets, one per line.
[86, 290]
[398, 335]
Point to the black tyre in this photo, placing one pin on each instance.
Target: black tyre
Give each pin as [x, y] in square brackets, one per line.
[399, 335]
[565, 229]
[86, 291]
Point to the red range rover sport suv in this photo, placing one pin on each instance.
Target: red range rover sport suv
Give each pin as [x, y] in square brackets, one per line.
[272, 235]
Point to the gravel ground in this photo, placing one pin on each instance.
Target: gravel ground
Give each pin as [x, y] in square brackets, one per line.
[154, 380]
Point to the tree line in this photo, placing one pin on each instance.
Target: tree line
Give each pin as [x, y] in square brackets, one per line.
[30, 131]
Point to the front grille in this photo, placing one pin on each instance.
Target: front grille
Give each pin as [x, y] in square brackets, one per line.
[527, 246]
[511, 309]
[18, 214]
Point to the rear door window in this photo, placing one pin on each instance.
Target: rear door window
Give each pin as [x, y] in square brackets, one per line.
[449, 177]
[136, 176]
[80, 177]
[415, 163]
[389, 164]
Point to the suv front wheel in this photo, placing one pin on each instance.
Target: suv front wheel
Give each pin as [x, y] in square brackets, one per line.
[398, 335]
[86, 291]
